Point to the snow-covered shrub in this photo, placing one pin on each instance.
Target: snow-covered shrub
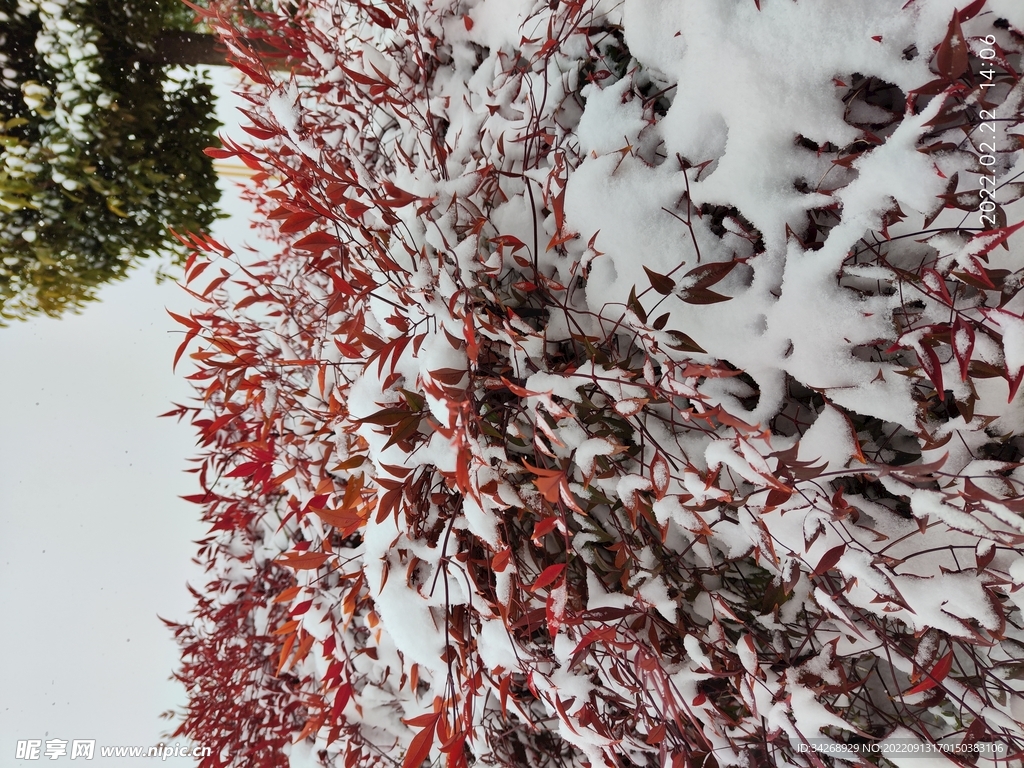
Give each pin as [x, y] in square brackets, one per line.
[636, 383]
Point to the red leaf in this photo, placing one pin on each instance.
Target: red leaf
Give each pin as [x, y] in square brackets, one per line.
[547, 576]
[252, 299]
[244, 470]
[262, 134]
[504, 688]
[188, 322]
[936, 285]
[379, 17]
[360, 77]
[197, 270]
[936, 676]
[422, 721]
[287, 595]
[601, 634]
[419, 748]
[302, 608]
[1015, 382]
[561, 238]
[555, 609]
[298, 222]
[348, 521]
[543, 528]
[355, 209]
[316, 242]
[509, 241]
[181, 348]
[340, 700]
[397, 197]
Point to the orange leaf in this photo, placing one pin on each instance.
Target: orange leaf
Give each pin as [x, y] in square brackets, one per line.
[285, 476]
[303, 561]
[286, 649]
[286, 628]
[286, 595]
[549, 481]
[549, 487]
[500, 561]
[346, 520]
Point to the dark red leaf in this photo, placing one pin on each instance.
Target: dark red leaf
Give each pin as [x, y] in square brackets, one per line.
[829, 559]
[663, 284]
[951, 57]
[707, 275]
[968, 12]
[703, 296]
[930, 364]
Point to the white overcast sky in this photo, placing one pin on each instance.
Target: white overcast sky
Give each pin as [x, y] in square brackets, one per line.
[94, 542]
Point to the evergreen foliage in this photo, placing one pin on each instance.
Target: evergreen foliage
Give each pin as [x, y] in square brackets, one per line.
[101, 149]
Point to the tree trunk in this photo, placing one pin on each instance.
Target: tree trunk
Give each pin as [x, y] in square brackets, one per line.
[191, 49]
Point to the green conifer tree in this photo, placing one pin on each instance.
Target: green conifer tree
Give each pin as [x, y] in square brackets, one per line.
[100, 146]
